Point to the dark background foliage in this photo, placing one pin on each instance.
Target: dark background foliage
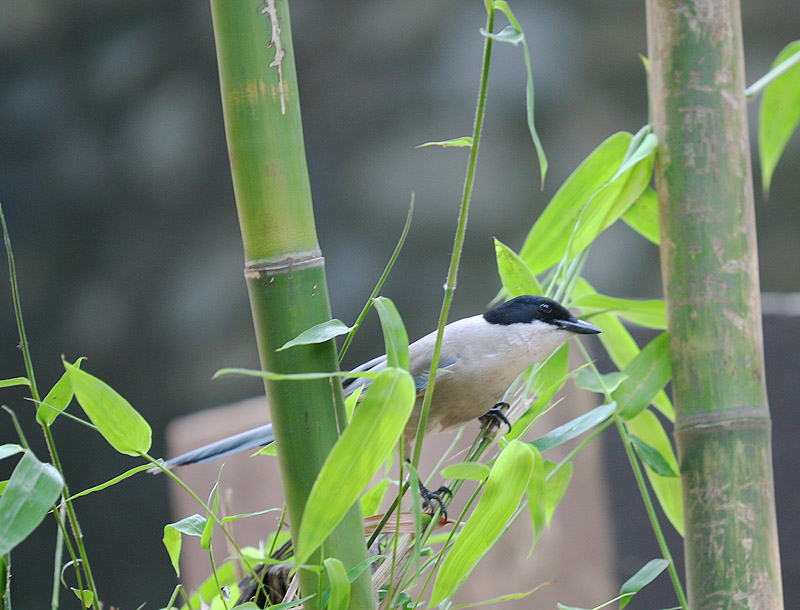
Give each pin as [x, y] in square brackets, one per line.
[114, 179]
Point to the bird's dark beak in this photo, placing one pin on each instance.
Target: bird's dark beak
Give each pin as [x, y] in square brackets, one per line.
[580, 327]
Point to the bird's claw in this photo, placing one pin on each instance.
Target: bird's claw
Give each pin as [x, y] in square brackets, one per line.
[432, 500]
[496, 415]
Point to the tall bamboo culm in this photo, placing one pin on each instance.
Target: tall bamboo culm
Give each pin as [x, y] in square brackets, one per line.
[283, 263]
[710, 273]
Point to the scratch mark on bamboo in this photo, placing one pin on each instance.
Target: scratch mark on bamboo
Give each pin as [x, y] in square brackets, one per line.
[268, 8]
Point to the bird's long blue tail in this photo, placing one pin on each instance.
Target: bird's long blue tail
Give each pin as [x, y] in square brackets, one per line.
[257, 437]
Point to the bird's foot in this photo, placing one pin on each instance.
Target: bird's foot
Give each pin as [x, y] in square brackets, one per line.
[496, 415]
[431, 500]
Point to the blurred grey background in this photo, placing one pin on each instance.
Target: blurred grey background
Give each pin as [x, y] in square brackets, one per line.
[115, 184]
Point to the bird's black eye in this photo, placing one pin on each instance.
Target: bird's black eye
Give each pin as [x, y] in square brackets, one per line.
[545, 307]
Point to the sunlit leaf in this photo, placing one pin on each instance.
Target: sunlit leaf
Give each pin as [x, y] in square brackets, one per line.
[536, 494]
[608, 382]
[395, 337]
[14, 381]
[318, 333]
[339, 584]
[371, 500]
[647, 373]
[374, 431]
[57, 399]
[465, 141]
[642, 216]
[469, 471]
[575, 427]
[118, 422]
[556, 486]
[649, 313]
[515, 275]
[779, 114]
[500, 498]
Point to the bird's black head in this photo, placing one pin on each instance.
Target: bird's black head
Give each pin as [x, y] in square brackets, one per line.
[527, 308]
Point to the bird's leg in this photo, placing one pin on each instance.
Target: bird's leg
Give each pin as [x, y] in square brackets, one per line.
[431, 500]
[496, 415]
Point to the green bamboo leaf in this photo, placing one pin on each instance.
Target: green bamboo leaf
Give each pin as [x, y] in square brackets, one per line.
[591, 187]
[118, 422]
[350, 403]
[779, 114]
[647, 427]
[515, 275]
[339, 584]
[465, 141]
[575, 427]
[8, 383]
[374, 431]
[561, 606]
[556, 487]
[230, 518]
[111, 482]
[653, 458]
[608, 382]
[647, 373]
[172, 542]
[537, 494]
[641, 579]
[10, 449]
[642, 146]
[650, 313]
[395, 337]
[27, 498]
[513, 34]
[642, 216]
[371, 500]
[85, 595]
[57, 399]
[208, 528]
[503, 598]
[500, 498]
[319, 333]
[469, 471]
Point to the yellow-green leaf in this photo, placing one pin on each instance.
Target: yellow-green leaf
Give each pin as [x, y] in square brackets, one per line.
[395, 337]
[515, 274]
[536, 493]
[647, 374]
[642, 216]
[172, 542]
[118, 422]
[339, 584]
[374, 431]
[469, 471]
[556, 486]
[779, 114]
[57, 399]
[318, 333]
[500, 499]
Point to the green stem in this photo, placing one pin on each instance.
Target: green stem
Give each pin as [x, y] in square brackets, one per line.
[651, 513]
[761, 83]
[461, 229]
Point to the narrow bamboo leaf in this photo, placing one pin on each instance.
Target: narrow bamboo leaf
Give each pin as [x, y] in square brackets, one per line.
[110, 482]
[503, 598]
[29, 495]
[10, 449]
[57, 399]
[642, 216]
[172, 542]
[549, 379]
[608, 382]
[319, 333]
[587, 187]
[7, 383]
[350, 403]
[561, 606]
[650, 313]
[500, 498]
[779, 114]
[85, 595]
[465, 141]
[339, 584]
[648, 373]
[514, 35]
[469, 471]
[647, 427]
[575, 427]
[536, 494]
[515, 275]
[115, 418]
[641, 579]
[230, 518]
[653, 458]
[374, 431]
[208, 528]
[371, 500]
[556, 486]
[272, 376]
[642, 146]
[395, 337]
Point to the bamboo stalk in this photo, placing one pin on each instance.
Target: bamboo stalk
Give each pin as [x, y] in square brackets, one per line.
[284, 267]
[710, 275]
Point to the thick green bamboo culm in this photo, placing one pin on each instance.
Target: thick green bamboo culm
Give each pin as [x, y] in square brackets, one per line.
[710, 274]
[283, 264]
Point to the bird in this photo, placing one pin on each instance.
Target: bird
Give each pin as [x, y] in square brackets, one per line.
[480, 357]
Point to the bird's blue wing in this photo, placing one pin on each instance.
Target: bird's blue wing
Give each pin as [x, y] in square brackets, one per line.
[421, 377]
[351, 384]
